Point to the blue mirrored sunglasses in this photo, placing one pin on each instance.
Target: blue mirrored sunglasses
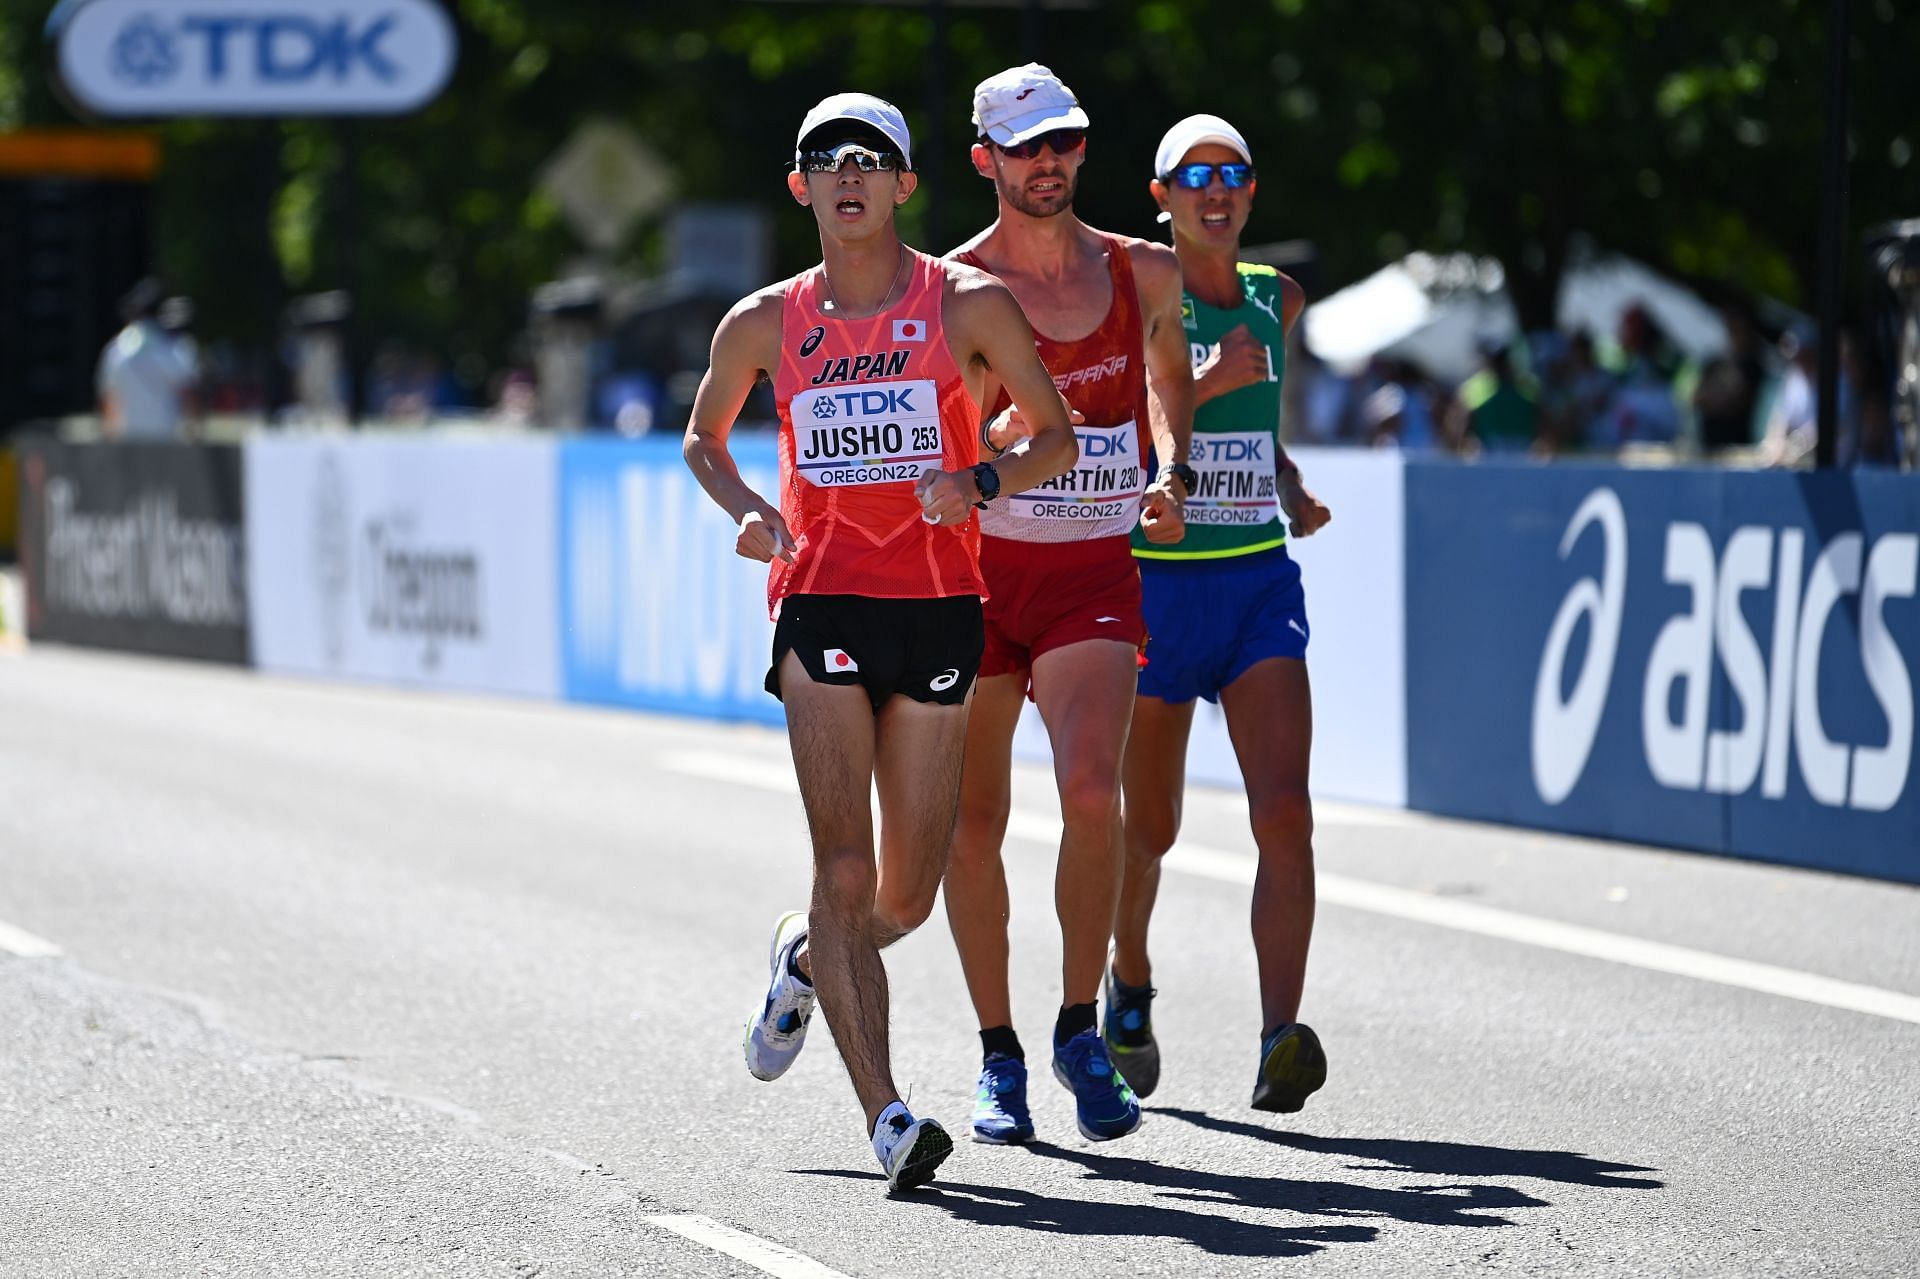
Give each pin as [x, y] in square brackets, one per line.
[1198, 177]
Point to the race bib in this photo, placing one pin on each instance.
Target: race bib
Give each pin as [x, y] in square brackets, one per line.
[1099, 497]
[881, 433]
[1239, 484]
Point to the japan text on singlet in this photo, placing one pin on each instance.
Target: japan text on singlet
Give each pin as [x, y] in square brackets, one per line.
[1236, 436]
[1102, 375]
[865, 406]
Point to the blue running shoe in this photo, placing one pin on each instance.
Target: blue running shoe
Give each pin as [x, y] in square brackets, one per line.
[777, 1027]
[1293, 1066]
[1000, 1116]
[1129, 1034]
[1104, 1105]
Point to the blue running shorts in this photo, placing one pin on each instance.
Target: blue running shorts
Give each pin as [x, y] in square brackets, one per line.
[1209, 620]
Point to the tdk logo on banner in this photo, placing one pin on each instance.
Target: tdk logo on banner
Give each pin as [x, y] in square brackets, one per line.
[1777, 696]
[255, 57]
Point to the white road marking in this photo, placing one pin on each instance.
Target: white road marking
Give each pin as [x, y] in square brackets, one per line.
[1486, 921]
[18, 941]
[768, 1258]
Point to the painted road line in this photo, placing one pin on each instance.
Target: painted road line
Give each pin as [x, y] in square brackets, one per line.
[768, 1258]
[18, 941]
[1486, 921]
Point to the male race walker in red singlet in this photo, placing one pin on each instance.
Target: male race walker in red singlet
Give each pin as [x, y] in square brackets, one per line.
[878, 358]
[1063, 615]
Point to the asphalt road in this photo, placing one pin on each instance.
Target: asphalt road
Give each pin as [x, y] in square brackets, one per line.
[360, 981]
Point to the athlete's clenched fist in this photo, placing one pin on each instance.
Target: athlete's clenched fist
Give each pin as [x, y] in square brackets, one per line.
[946, 497]
[763, 535]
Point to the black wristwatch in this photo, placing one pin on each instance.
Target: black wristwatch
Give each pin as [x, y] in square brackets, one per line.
[987, 480]
[1187, 476]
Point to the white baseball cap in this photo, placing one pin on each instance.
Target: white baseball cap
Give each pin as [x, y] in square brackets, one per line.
[860, 108]
[1023, 102]
[1196, 130]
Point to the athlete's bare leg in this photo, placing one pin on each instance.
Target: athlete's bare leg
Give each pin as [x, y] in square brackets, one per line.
[1085, 693]
[1155, 786]
[834, 735]
[977, 905]
[1270, 720]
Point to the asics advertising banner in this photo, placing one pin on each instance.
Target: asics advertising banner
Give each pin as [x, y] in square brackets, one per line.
[1714, 660]
[424, 561]
[656, 610]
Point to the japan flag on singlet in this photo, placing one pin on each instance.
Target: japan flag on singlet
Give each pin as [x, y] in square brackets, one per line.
[909, 330]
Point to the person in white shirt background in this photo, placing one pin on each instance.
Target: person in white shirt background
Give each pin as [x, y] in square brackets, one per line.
[146, 373]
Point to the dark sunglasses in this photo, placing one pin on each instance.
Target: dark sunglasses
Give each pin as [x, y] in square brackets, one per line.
[1198, 177]
[1061, 140]
[864, 158]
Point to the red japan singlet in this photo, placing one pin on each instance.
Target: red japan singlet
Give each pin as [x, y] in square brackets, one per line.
[1104, 376]
[865, 406]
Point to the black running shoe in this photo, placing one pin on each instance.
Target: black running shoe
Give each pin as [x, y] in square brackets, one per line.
[1129, 1035]
[1292, 1067]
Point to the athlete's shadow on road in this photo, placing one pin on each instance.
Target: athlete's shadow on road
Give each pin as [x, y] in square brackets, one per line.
[1472, 1205]
[1440, 1158]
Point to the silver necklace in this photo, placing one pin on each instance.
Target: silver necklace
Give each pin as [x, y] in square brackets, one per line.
[838, 309]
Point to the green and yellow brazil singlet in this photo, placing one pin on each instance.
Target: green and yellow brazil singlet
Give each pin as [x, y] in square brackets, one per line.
[1236, 437]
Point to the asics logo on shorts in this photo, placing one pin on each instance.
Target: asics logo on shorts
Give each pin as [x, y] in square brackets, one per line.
[941, 683]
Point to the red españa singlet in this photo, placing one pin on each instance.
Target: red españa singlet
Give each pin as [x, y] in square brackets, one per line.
[865, 406]
[1103, 375]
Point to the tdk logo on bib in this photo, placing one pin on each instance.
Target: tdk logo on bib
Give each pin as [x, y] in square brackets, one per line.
[880, 434]
[255, 57]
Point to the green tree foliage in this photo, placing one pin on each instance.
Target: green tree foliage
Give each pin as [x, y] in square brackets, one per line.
[1685, 132]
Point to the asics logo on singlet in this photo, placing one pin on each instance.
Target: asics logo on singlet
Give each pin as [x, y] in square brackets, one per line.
[854, 368]
[941, 683]
[815, 336]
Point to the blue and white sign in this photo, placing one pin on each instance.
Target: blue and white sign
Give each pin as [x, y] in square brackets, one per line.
[254, 57]
[656, 610]
[1715, 660]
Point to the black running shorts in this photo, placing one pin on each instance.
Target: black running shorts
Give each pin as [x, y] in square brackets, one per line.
[925, 649]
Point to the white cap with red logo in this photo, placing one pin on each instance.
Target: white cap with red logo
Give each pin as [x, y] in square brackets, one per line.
[860, 108]
[1023, 102]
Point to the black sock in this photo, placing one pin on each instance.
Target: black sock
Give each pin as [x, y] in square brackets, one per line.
[1074, 1019]
[1001, 1040]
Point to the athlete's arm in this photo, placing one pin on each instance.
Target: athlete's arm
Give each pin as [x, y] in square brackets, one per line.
[1170, 394]
[989, 332]
[1306, 514]
[745, 346]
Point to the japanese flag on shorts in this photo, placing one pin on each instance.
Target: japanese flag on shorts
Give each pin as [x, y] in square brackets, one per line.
[909, 330]
[836, 659]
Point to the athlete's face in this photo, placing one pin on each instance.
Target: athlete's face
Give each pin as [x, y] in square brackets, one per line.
[1210, 216]
[851, 202]
[1042, 187]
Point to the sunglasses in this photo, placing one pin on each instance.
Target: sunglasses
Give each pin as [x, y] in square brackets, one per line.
[829, 160]
[1061, 140]
[1198, 177]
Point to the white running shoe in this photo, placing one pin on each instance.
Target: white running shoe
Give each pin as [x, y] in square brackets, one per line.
[777, 1029]
[909, 1149]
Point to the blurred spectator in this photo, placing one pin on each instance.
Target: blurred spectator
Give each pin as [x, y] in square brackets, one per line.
[409, 387]
[1491, 411]
[1866, 437]
[516, 399]
[1574, 402]
[1792, 429]
[1643, 408]
[1729, 388]
[1395, 411]
[146, 374]
[1326, 404]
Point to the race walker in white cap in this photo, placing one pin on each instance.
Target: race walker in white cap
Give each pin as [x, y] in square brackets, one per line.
[1063, 623]
[1228, 619]
[878, 357]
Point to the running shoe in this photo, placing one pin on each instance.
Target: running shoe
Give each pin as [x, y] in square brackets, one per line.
[1000, 1116]
[1129, 1035]
[778, 1028]
[1104, 1105]
[909, 1149]
[1292, 1066]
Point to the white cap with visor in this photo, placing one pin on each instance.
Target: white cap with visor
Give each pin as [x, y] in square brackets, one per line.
[1195, 131]
[1024, 102]
[860, 108]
